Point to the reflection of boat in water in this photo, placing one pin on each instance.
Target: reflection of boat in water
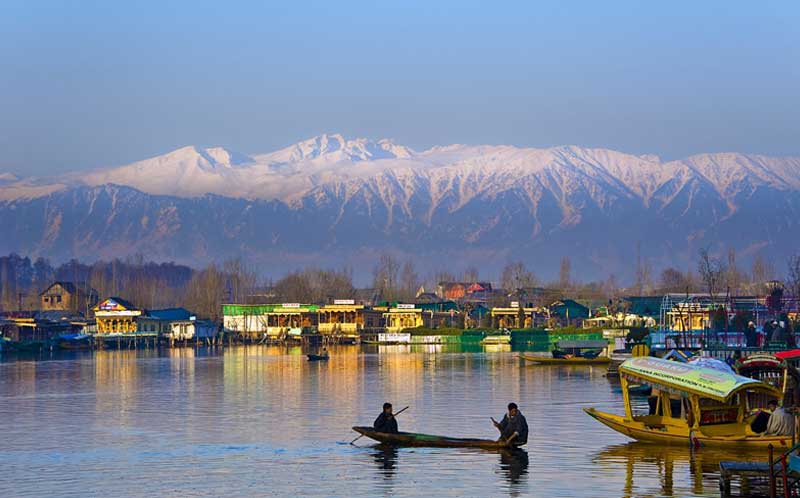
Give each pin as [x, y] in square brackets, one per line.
[428, 440]
[658, 470]
[713, 407]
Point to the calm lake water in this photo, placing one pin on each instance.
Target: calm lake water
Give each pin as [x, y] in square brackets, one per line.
[263, 421]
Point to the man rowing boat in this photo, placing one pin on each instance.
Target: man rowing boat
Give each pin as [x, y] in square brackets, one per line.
[513, 428]
[386, 422]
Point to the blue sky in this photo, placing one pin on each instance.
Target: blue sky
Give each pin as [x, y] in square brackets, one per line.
[87, 84]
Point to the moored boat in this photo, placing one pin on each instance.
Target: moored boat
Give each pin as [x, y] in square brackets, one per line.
[573, 353]
[693, 405]
[412, 439]
[317, 357]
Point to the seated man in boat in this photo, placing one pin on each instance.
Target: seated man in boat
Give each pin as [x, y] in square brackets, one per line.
[780, 422]
[513, 428]
[386, 422]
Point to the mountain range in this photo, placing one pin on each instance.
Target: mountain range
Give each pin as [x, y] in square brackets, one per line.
[330, 201]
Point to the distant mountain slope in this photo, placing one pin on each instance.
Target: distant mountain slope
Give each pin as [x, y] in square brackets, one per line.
[328, 200]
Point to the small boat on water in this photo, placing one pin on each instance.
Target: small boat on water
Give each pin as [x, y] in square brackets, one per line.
[74, 341]
[412, 439]
[573, 353]
[692, 405]
[317, 357]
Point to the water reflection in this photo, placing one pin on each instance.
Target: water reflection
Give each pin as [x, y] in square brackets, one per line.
[670, 465]
[263, 417]
[514, 466]
[386, 458]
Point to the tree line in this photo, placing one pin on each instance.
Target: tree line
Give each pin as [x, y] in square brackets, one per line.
[152, 285]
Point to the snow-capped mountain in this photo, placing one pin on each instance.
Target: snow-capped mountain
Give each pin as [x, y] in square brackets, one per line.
[329, 200]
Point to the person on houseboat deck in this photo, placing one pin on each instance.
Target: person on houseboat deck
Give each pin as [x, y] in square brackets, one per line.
[780, 422]
[386, 422]
[513, 428]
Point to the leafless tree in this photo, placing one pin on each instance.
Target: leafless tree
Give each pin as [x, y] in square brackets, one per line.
[712, 272]
[516, 276]
[564, 273]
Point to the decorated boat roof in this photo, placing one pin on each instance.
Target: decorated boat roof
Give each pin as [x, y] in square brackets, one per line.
[686, 379]
[582, 344]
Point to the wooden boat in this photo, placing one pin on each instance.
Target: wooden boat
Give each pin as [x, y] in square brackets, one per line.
[694, 405]
[412, 439]
[573, 353]
[317, 357]
[775, 370]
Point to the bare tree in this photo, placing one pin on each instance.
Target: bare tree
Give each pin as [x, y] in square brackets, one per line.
[673, 280]
[643, 282]
[793, 277]
[409, 281]
[384, 277]
[712, 271]
[564, 273]
[470, 275]
[763, 271]
[516, 276]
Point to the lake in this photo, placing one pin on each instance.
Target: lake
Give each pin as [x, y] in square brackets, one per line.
[263, 421]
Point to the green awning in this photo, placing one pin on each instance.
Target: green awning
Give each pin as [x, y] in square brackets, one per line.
[688, 379]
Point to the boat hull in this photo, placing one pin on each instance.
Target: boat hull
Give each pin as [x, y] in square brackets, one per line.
[316, 357]
[674, 434]
[412, 439]
[600, 360]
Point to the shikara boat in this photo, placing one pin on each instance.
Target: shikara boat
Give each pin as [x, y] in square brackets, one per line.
[573, 353]
[317, 357]
[774, 370]
[412, 439]
[694, 405]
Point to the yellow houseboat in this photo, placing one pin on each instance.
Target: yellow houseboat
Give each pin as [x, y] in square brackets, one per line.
[694, 405]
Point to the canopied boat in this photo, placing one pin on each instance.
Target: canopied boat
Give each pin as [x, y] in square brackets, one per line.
[774, 370]
[412, 439]
[694, 405]
[573, 353]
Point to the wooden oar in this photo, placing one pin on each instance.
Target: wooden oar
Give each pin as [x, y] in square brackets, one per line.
[393, 415]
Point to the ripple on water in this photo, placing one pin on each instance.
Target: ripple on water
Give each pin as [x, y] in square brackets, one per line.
[262, 421]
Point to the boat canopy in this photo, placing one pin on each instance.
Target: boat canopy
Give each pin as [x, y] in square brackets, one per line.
[686, 379]
[582, 344]
[788, 355]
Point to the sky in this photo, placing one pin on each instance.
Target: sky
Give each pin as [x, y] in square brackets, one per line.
[87, 84]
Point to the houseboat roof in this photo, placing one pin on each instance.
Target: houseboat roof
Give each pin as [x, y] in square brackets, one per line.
[686, 379]
[582, 344]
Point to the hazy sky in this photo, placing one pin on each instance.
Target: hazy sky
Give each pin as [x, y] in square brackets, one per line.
[86, 84]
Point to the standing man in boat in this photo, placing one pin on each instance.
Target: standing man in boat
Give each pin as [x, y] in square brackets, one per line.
[386, 422]
[513, 428]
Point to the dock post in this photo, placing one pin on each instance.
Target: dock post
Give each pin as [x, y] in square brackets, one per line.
[785, 467]
[772, 491]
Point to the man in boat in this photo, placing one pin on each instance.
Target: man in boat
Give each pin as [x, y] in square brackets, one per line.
[386, 422]
[780, 422]
[513, 428]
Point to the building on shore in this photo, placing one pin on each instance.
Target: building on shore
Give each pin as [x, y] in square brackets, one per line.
[515, 317]
[429, 315]
[568, 312]
[160, 321]
[275, 321]
[344, 317]
[68, 296]
[116, 316]
[190, 330]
